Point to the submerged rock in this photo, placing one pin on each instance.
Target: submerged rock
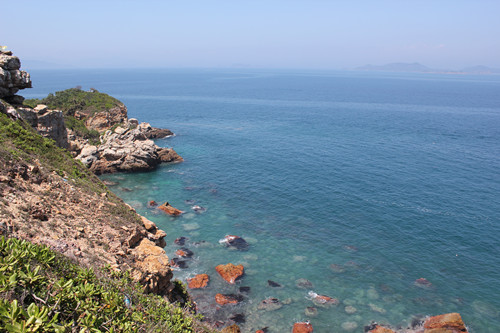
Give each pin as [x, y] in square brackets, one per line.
[270, 304]
[337, 268]
[349, 325]
[244, 290]
[423, 282]
[303, 327]
[350, 309]
[236, 242]
[303, 284]
[231, 329]
[273, 284]
[230, 272]
[224, 299]
[238, 318]
[199, 281]
[311, 311]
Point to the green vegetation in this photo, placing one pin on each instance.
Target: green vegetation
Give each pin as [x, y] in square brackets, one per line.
[78, 126]
[21, 142]
[42, 291]
[71, 100]
[74, 100]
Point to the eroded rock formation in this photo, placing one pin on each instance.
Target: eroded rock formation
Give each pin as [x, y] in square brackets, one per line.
[12, 79]
[125, 149]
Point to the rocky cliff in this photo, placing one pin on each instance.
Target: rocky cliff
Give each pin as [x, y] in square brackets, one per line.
[12, 78]
[49, 198]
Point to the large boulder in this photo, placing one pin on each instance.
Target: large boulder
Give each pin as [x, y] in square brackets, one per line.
[446, 323]
[152, 268]
[230, 272]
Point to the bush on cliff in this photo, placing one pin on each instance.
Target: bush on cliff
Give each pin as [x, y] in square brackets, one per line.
[71, 100]
[42, 291]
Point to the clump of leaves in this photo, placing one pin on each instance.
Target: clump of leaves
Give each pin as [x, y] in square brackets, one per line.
[41, 291]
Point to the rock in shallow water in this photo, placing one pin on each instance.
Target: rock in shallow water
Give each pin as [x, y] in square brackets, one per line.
[273, 284]
[235, 242]
[167, 208]
[303, 327]
[322, 300]
[270, 304]
[350, 309]
[446, 323]
[230, 272]
[311, 311]
[224, 299]
[304, 284]
[199, 281]
[180, 241]
[184, 252]
[349, 325]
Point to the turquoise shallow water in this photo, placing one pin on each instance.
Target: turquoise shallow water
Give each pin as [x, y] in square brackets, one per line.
[361, 183]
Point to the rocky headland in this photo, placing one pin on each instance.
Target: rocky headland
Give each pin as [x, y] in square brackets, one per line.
[50, 195]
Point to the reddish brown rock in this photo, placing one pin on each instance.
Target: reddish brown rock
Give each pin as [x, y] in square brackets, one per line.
[380, 329]
[199, 281]
[184, 253]
[230, 272]
[446, 323]
[167, 208]
[322, 300]
[224, 299]
[152, 204]
[423, 282]
[231, 329]
[304, 327]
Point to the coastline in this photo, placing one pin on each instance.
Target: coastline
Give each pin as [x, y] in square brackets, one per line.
[221, 235]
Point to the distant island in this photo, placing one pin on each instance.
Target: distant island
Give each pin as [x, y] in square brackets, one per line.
[419, 68]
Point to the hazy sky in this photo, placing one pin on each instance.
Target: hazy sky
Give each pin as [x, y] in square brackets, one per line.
[332, 34]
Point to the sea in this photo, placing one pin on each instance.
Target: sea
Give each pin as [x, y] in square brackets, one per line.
[382, 190]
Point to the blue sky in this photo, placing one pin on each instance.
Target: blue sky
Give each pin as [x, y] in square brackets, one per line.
[449, 34]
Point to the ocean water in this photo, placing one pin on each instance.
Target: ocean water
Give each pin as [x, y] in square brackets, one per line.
[361, 183]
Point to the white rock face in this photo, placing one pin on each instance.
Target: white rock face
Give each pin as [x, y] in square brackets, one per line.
[125, 149]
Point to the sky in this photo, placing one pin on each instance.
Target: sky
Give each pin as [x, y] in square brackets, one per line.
[305, 34]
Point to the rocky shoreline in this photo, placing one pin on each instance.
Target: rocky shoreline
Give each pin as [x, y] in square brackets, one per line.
[97, 228]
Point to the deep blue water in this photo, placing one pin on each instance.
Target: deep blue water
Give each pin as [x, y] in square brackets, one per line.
[390, 177]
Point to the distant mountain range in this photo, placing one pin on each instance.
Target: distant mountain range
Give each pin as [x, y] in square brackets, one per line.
[419, 68]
